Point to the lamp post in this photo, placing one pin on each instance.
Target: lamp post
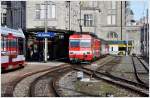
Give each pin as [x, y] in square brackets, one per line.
[80, 18]
[45, 24]
[127, 44]
[121, 20]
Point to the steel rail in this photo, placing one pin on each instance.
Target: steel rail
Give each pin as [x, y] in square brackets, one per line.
[146, 68]
[12, 85]
[138, 90]
[136, 73]
[33, 84]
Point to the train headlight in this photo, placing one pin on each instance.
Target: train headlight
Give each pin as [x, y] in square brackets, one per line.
[71, 52]
[88, 52]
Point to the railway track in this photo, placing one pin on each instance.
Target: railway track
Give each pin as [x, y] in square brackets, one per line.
[109, 64]
[139, 68]
[145, 66]
[11, 86]
[102, 72]
[136, 87]
[50, 79]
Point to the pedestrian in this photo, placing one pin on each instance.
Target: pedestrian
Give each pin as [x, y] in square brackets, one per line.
[41, 56]
[28, 54]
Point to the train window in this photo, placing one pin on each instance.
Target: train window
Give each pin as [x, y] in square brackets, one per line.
[20, 45]
[17, 45]
[7, 44]
[2, 43]
[85, 43]
[74, 43]
[111, 48]
[14, 43]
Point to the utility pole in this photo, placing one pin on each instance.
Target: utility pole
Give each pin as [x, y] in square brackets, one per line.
[45, 24]
[127, 44]
[80, 19]
[69, 14]
[147, 41]
[144, 34]
[121, 20]
[94, 19]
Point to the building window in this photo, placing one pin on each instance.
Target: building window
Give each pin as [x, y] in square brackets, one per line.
[112, 35]
[51, 11]
[113, 4]
[40, 11]
[3, 18]
[111, 19]
[111, 48]
[88, 20]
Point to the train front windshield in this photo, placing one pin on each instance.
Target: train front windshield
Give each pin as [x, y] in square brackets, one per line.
[85, 43]
[74, 43]
[80, 43]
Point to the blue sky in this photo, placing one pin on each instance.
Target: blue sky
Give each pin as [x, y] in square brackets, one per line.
[139, 7]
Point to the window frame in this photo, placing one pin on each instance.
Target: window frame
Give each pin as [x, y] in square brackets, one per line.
[72, 41]
[113, 5]
[2, 43]
[88, 20]
[40, 11]
[112, 21]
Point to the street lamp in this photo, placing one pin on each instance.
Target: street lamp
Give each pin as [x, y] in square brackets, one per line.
[68, 5]
[80, 17]
[126, 44]
[45, 24]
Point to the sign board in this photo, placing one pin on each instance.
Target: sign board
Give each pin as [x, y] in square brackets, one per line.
[46, 34]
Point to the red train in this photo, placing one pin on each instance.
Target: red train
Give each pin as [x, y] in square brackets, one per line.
[12, 48]
[86, 47]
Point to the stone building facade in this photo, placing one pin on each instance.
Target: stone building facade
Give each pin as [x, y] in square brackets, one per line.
[13, 14]
[104, 18]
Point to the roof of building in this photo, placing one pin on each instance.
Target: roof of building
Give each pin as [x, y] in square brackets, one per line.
[119, 42]
[48, 29]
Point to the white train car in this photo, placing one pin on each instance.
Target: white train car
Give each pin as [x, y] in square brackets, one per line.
[12, 48]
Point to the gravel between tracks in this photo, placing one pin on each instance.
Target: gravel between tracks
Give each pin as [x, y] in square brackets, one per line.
[125, 70]
[100, 62]
[44, 85]
[66, 85]
[22, 88]
[43, 88]
[69, 86]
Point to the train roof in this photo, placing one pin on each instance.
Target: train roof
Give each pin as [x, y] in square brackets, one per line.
[89, 33]
[93, 35]
[17, 33]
